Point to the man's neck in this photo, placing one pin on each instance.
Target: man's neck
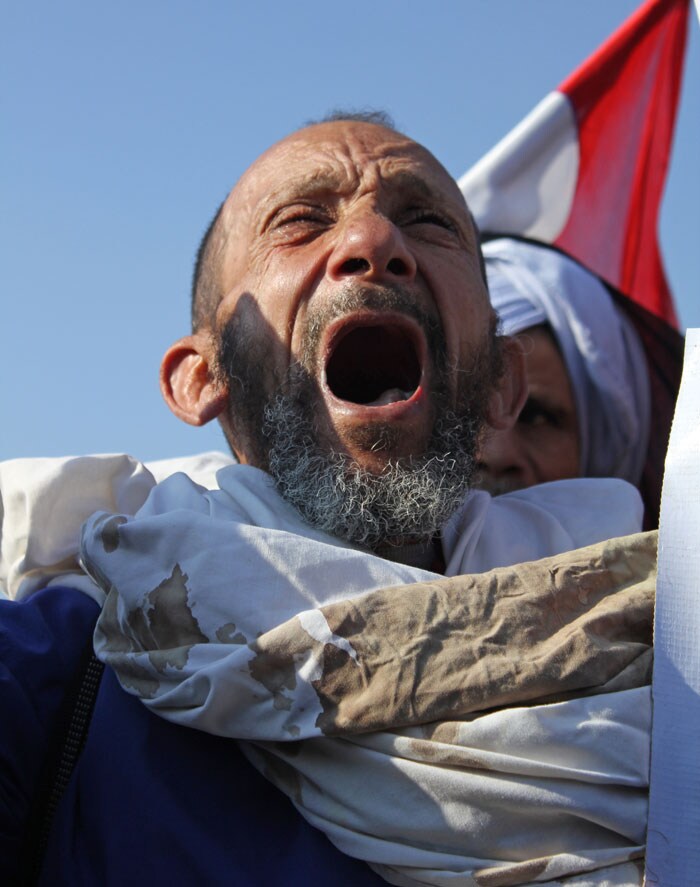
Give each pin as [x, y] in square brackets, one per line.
[425, 555]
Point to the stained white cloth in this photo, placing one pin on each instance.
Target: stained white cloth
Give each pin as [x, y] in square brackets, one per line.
[45, 501]
[197, 577]
[532, 285]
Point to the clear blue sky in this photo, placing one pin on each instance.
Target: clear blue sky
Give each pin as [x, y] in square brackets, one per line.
[124, 125]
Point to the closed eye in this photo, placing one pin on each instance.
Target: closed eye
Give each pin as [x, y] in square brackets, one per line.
[299, 215]
[429, 217]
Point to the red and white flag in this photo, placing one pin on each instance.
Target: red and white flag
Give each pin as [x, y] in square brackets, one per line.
[585, 169]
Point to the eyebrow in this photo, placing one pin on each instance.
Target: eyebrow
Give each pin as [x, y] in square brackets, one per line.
[314, 184]
[331, 181]
[409, 181]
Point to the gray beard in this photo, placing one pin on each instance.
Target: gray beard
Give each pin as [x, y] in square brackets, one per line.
[409, 501]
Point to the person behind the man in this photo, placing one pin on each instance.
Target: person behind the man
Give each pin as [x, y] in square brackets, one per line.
[597, 367]
[344, 338]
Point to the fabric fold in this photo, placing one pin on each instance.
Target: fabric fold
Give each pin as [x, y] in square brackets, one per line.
[459, 731]
[446, 731]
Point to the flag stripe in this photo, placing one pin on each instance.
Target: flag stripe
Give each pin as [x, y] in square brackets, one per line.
[585, 170]
[625, 98]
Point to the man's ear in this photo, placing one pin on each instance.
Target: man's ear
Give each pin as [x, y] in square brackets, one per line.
[188, 384]
[510, 396]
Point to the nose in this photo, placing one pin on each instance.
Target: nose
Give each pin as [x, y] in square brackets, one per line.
[503, 462]
[370, 246]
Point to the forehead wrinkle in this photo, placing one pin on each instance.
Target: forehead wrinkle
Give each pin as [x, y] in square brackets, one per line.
[321, 166]
[347, 161]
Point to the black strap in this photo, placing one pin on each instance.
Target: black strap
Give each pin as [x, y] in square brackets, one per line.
[60, 763]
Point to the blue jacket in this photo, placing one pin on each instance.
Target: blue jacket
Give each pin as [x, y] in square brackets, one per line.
[149, 802]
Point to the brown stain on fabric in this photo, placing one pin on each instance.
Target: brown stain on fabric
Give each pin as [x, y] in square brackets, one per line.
[511, 875]
[109, 532]
[228, 634]
[442, 650]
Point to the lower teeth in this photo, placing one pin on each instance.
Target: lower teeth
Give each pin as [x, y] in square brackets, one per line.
[392, 395]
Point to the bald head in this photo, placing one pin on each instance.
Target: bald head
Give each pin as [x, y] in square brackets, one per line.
[207, 284]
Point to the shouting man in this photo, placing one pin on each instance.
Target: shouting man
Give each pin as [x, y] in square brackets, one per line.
[343, 333]
[294, 618]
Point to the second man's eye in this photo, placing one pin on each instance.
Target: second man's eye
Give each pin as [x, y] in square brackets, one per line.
[535, 413]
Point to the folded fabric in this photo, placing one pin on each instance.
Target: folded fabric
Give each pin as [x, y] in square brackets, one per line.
[458, 798]
[371, 692]
[44, 502]
[226, 614]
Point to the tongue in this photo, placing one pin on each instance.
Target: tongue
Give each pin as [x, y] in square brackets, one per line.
[391, 395]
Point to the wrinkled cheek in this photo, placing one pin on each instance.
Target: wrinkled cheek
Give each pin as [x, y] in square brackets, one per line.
[287, 288]
[462, 299]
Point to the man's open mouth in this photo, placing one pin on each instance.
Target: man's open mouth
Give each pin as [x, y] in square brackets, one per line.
[374, 362]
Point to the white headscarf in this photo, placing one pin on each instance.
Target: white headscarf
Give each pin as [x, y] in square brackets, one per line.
[531, 285]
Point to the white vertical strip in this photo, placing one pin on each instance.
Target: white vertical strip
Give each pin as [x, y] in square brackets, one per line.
[673, 848]
[527, 182]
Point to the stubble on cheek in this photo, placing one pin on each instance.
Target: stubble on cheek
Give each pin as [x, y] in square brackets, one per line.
[245, 364]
